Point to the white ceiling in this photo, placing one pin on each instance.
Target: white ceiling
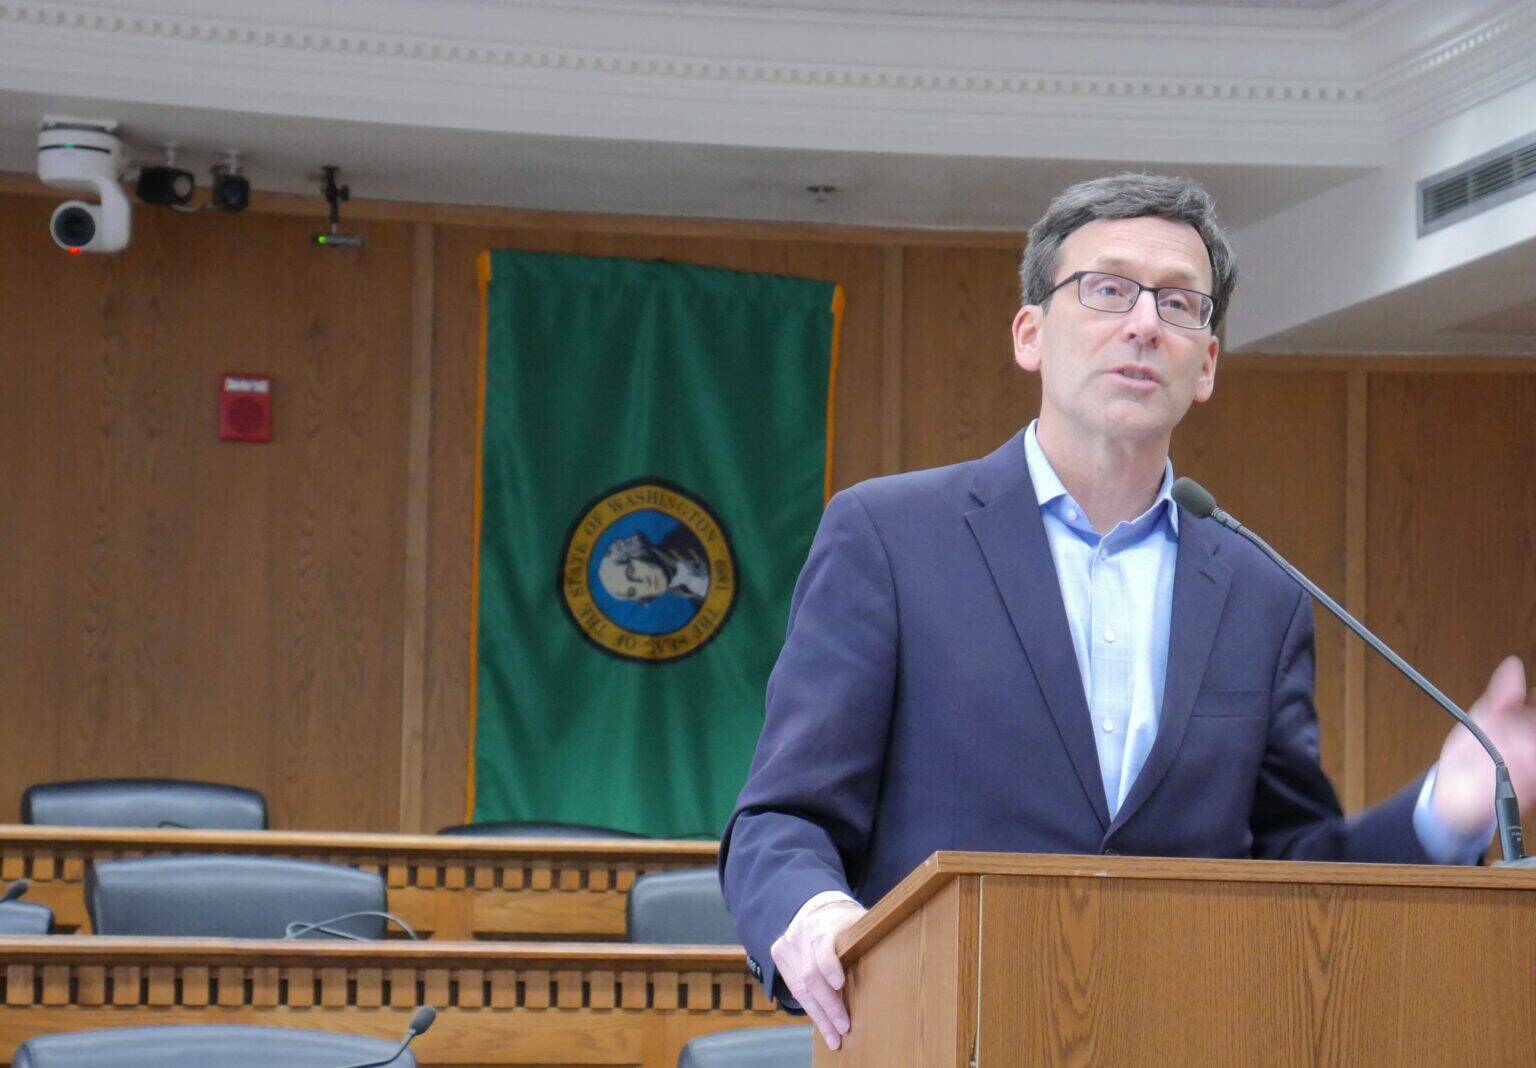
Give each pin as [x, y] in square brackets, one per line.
[963, 114]
[951, 6]
[1482, 308]
[938, 113]
[937, 5]
[396, 162]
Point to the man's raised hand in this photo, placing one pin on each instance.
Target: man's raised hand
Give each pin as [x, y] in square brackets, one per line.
[1463, 797]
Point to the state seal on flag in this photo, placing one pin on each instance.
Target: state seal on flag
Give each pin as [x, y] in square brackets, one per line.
[647, 572]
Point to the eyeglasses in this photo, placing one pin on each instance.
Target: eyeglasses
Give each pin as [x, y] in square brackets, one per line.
[1187, 308]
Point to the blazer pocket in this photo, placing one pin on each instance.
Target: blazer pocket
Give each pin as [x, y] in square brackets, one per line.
[1231, 704]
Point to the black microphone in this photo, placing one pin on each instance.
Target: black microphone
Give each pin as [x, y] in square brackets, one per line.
[15, 890]
[421, 1019]
[1196, 499]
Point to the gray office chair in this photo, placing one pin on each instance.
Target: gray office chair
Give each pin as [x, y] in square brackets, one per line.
[534, 829]
[752, 1047]
[144, 803]
[683, 907]
[232, 897]
[226, 1046]
[19, 917]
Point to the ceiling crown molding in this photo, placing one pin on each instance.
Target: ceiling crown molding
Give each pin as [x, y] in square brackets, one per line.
[982, 79]
[1479, 61]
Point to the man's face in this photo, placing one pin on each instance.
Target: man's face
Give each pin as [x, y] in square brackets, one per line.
[1130, 376]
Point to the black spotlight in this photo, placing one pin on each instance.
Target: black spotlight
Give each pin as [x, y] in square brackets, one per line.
[231, 192]
[170, 186]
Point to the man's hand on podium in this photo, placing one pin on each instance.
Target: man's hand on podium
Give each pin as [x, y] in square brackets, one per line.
[1463, 792]
[806, 956]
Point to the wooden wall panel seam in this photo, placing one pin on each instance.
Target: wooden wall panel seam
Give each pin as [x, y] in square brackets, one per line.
[417, 499]
[891, 360]
[1357, 472]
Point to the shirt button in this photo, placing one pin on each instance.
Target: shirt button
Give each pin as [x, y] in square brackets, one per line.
[1109, 726]
[1109, 635]
[1071, 513]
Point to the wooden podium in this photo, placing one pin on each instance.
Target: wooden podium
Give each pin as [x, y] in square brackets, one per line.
[998, 960]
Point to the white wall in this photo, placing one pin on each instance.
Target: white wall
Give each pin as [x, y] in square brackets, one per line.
[1358, 243]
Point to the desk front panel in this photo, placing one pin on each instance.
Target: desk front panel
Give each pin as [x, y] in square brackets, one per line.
[498, 1004]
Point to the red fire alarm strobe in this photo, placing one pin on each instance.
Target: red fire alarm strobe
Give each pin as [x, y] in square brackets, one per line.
[245, 408]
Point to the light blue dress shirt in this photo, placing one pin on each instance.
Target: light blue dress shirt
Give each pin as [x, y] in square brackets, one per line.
[1118, 592]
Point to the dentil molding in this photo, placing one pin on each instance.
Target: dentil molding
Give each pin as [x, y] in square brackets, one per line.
[977, 77]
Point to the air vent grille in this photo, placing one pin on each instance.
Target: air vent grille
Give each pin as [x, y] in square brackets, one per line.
[1477, 185]
[1525, 163]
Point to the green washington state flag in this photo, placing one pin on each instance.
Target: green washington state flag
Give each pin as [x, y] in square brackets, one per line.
[654, 458]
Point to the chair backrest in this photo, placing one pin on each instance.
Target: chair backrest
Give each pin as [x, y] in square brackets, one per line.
[226, 1046]
[751, 1047]
[24, 918]
[144, 803]
[683, 907]
[524, 829]
[229, 896]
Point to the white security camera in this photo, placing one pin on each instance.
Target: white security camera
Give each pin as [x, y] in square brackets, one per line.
[84, 154]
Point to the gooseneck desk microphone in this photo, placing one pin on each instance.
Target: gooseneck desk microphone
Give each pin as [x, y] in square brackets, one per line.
[420, 1020]
[1196, 499]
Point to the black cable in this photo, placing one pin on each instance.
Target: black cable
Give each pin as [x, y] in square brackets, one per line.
[299, 928]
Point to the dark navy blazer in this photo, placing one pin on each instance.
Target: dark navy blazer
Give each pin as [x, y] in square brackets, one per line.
[928, 697]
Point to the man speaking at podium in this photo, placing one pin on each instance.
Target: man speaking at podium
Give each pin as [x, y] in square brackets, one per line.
[1038, 652]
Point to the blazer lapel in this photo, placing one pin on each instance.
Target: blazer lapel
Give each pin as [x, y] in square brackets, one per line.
[1200, 584]
[1012, 538]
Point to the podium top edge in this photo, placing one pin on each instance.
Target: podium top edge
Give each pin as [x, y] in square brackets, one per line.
[941, 868]
[1065, 865]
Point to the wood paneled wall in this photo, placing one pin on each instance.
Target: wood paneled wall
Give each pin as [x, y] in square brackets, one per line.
[1451, 574]
[173, 605]
[295, 616]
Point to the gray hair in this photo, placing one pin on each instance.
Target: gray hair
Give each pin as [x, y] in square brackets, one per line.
[1127, 196]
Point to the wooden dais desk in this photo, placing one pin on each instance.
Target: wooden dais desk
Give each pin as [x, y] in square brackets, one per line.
[444, 886]
[499, 1003]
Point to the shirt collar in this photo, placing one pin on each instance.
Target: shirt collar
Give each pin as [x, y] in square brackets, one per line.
[1049, 489]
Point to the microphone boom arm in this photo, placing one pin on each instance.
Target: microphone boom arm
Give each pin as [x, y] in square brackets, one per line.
[1506, 808]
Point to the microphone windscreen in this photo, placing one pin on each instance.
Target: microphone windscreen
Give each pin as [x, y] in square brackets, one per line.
[1193, 497]
[15, 890]
[423, 1019]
